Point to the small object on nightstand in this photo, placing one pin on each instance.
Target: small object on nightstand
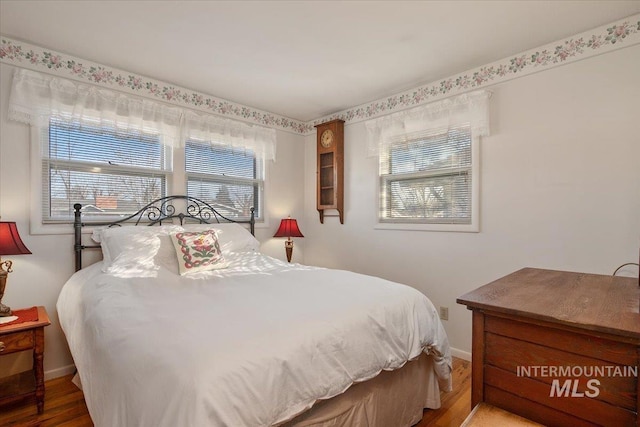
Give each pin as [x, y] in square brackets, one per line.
[10, 244]
[288, 228]
[22, 336]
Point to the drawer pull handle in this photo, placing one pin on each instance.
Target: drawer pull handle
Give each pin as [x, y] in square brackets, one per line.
[2, 347]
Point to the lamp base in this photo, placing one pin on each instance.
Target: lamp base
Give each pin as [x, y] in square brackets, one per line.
[288, 247]
[5, 310]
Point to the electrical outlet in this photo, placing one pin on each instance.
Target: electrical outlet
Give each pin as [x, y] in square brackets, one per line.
[444, 313]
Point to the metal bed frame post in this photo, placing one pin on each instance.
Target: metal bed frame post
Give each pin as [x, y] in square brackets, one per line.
[77, 230]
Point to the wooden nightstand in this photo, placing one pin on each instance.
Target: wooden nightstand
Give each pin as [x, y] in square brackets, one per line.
[21, 337]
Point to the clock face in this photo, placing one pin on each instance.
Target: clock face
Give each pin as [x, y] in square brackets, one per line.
[326, 139]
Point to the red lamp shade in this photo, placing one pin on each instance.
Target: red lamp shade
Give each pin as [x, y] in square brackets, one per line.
[288, 228]
[10, 241]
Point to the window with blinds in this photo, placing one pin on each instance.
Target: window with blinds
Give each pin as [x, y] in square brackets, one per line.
[231, 180]
[111, 173]
[426, 178]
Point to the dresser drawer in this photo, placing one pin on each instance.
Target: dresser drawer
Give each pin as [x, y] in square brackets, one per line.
[512, 351]
[17, 341]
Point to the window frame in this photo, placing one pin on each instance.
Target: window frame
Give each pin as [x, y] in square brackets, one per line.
[260, 168]
[92, 167]
[420, 225]
[176, 184]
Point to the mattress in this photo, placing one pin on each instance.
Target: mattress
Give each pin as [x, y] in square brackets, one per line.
[255, 344]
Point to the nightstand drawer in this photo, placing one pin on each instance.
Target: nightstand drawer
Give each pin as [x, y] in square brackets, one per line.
[16, 341]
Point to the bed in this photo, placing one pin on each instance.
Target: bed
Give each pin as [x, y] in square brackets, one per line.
[251, 341]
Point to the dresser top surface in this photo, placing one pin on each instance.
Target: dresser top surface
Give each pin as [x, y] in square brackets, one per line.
[589, 301]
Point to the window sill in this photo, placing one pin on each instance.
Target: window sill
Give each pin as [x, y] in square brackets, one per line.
[460, 228]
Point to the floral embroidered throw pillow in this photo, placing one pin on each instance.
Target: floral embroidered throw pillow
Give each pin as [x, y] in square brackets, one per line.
[198, 251]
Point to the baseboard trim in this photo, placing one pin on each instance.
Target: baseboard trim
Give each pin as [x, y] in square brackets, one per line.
[59, 372]
[461, 354]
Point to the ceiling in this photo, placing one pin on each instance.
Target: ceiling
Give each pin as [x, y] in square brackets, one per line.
[300, 59]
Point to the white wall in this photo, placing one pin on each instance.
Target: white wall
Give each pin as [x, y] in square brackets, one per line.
[38, 278]
[560, 189]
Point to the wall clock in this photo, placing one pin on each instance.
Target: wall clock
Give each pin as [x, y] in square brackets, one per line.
[330, 171]
[326, 138]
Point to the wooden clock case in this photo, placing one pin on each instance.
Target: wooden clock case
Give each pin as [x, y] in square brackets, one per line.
[330, 170]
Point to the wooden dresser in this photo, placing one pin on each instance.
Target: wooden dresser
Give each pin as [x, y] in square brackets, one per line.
[558, 348]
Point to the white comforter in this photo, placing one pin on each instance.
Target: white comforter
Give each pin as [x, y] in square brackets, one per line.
[252, 345]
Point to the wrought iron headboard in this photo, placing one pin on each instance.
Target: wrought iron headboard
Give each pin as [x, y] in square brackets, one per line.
[157, 211]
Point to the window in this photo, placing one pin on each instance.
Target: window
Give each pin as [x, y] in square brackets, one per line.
[111, 173]
[231, 180]
[429, 164]
[114, 153]
[428, 179]
[114, 174]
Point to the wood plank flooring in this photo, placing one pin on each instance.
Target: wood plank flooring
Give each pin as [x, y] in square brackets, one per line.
[456, 405]
[64, 405]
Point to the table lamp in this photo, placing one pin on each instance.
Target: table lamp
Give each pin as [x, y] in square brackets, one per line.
[288, 228]
[10, 244]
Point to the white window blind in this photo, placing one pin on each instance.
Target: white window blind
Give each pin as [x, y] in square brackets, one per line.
[427, 178]
[231, 180]
[429, 163]
[111, 173]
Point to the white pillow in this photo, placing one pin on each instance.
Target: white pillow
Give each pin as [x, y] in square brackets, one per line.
[135, 251]
[232, 237]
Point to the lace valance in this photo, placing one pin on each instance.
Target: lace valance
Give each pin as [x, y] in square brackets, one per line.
[221, 131]
[36, 97]
[470, 108]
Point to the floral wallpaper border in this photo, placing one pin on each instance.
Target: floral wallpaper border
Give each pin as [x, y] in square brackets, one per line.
[25, 55]
[603, 39]
[594, 42]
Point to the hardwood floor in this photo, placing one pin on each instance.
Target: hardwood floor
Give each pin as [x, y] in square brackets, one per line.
[64, 405]
[456, 405]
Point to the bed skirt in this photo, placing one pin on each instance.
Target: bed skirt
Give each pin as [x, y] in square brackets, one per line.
[393, 398]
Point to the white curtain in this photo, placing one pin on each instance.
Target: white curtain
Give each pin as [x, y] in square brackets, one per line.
[471, 108]
[36, 97]
[224, 132]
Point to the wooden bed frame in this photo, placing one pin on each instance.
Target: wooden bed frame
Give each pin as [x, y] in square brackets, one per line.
[156, 212]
